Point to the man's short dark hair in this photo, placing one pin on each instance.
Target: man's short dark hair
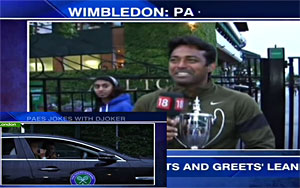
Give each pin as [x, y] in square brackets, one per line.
[210, 54]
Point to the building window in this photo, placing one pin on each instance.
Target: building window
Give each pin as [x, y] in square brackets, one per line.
[84, 62]
[88, 26]
[41, 27]
[37, 64]
[91, 61]
[72, 62]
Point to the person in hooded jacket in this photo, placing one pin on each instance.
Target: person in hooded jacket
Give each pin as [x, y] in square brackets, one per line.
[109, 96]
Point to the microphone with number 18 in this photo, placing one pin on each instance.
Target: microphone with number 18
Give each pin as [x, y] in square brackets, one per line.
[170, 102]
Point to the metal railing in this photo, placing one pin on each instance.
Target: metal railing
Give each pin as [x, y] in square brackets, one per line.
[293, 105]
[52, 94]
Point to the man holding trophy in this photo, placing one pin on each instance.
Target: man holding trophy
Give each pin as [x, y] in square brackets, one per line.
[202, 114]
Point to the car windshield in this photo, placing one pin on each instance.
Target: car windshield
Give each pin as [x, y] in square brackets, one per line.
[8, 148]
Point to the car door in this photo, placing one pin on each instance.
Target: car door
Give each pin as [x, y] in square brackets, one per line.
[118, 172]
[15, 167]
[73, 158]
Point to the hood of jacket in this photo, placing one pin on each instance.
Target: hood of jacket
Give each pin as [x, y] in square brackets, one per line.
[122, 103]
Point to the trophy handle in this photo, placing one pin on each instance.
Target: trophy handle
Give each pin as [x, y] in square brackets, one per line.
[221, 128]
[181, 142]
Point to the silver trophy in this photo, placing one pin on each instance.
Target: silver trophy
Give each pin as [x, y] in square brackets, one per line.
[194, 128]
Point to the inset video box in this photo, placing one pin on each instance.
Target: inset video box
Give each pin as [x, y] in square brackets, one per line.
[111, 149]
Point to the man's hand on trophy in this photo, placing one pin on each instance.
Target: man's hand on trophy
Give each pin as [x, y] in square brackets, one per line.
[172, 131]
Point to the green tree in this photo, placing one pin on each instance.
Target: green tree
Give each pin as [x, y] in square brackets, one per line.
[147, 42]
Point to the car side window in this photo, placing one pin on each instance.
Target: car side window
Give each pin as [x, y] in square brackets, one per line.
[8, 148]
[44, 148]
[69, 150]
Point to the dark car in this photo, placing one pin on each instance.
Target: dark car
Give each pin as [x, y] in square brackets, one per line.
[72, 161]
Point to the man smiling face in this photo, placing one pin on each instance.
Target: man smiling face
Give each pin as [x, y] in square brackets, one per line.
[188, 66]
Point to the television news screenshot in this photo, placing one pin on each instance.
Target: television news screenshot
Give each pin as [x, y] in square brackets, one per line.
[150, 93]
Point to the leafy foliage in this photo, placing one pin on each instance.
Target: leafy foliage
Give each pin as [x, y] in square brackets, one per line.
[147, 42]
[68, 30]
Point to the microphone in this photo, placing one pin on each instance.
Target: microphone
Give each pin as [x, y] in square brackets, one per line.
[170, 102]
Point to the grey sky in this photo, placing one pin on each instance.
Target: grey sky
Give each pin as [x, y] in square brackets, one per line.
[267, 34]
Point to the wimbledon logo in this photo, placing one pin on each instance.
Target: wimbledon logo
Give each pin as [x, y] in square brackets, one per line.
[82, 178]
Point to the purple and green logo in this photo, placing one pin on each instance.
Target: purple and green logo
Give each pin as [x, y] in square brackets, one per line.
[82, 178]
